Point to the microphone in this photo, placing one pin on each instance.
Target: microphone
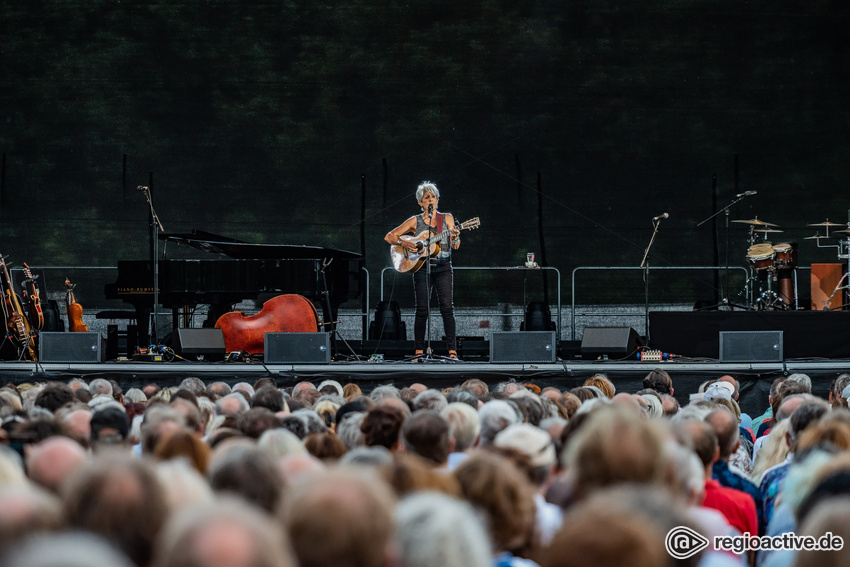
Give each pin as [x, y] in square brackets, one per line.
[431, 210]
[142, 188]
[659, 217]
[746, 194]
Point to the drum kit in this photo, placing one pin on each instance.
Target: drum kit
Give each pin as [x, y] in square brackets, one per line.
[772, 280]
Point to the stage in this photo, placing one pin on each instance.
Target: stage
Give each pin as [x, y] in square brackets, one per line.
[814, 343]
[687, 374]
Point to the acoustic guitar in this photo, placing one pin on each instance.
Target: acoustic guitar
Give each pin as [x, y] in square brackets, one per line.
[406, 261]
[17, 325]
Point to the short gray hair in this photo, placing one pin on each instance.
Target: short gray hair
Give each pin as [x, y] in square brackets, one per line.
[496, 415]
[431, 400]
[426, 187]
[465, 424]
[436, 529]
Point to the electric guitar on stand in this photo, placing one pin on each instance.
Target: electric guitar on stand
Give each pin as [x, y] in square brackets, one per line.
[17, 327]
[32, 295]
[406, 261]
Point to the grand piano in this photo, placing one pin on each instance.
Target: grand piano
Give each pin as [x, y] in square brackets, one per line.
[241, 271]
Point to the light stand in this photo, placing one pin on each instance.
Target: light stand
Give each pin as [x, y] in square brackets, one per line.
[656, 223]
[157, 228]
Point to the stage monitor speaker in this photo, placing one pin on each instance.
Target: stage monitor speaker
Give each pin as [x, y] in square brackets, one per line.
[297, 348]
[69, 347]
[614, 342]
[523, 347]
[751, 346]
[199, 344]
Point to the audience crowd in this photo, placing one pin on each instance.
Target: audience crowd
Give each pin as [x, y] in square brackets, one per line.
[319, 475]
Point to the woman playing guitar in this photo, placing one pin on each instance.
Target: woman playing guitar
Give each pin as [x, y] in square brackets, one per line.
[427, 195]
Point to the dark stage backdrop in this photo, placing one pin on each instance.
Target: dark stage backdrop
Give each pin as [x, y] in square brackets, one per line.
[261, 120]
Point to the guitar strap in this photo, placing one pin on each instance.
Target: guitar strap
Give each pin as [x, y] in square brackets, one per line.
[439, 223]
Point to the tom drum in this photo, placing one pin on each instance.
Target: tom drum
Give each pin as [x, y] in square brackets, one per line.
[785, 256]
[761, 255]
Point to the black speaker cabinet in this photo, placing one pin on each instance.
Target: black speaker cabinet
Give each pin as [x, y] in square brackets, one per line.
[751, 346]
[522, 347]
[69, 347]
[204, 343]
[297, 348]
[615, 342]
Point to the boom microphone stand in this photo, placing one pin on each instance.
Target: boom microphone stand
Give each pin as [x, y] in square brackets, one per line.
[725, 210]
[656, 223]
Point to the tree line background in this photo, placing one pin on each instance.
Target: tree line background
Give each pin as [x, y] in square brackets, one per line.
[263, 120]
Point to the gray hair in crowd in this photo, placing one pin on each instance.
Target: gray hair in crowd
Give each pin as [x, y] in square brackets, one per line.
[430, 399]
[279, 442]
[385, 391]
[802, 379]
[193, 384]
[135, 395]
[465, 425]
[312, 422]
[70, 549]
[332, 383]
[348, 430]
[494, 416]
[100, 386]
[436, 529]
[373, 456]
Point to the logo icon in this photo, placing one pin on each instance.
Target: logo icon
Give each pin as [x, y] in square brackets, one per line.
[683, 542]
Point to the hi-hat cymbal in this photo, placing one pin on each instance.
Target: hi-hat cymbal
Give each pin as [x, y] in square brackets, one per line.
[766, 230]
[755, 222]
[826, 223]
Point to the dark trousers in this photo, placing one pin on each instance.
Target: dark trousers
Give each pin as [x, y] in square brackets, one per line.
[442, 281]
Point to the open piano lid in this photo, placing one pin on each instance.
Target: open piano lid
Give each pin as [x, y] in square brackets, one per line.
[242, 250]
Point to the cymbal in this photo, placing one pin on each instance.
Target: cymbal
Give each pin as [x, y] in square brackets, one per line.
[846, 231]
[826, 223]
[767, 230]
[755, 222]
[815, 237]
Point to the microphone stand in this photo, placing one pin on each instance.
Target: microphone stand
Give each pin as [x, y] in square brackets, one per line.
[157, 228]
[725, 210]
[656, 223]
[429, 353]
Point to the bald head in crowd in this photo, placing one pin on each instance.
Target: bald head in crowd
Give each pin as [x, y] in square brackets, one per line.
[224, 533]
[52, 461]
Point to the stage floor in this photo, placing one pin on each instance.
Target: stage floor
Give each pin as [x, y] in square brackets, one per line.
[687, 374]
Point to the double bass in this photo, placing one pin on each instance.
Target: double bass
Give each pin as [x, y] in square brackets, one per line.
[17, 326]
[288, 313]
